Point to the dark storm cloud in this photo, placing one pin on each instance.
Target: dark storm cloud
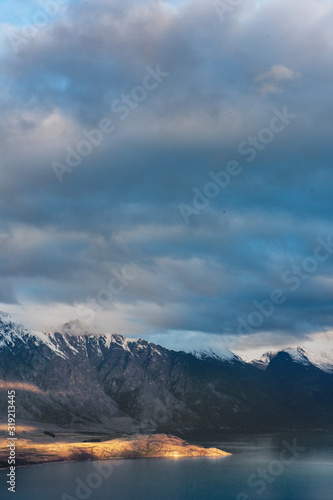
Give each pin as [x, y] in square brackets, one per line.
[120, 206]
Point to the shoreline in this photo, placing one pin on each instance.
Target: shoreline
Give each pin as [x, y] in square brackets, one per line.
[134, 447]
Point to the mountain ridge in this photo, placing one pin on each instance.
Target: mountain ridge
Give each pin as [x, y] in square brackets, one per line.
[299, 354]
[110, 382]
[75, 328]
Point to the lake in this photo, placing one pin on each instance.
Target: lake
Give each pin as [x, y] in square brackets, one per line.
[289, 466]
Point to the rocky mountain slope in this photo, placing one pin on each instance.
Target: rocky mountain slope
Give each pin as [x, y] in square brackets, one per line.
[108, 382]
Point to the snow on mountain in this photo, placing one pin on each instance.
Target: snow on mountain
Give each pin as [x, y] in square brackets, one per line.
[323, 361]
[6, 318]
[217, 354]
[12, 333]
[10, 328]
[306, 357]
[78, 338]
[110, 382]
[264, 360]
[297, 354]
[73, 337]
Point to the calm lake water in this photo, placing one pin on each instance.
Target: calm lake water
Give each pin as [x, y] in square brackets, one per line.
[289, 466]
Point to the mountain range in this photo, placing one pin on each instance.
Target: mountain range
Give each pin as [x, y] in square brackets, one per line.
[81, 381]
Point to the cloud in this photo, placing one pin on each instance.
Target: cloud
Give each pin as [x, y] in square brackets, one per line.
[118, 209]
[272, 81]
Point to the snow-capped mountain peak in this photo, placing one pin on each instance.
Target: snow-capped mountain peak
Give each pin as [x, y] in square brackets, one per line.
[264, 360]
[217, 354]
[4, 315]
[7, 319]
[72, 338]
[320, 360]
[323, 361]
[10, 329]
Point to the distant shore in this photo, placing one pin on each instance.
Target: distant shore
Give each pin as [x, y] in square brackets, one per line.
[136, 446]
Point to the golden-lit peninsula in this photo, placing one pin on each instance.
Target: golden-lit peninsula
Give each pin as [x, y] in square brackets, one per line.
[136, 446]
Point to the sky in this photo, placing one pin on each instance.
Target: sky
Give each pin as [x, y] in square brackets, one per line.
[166, 169]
